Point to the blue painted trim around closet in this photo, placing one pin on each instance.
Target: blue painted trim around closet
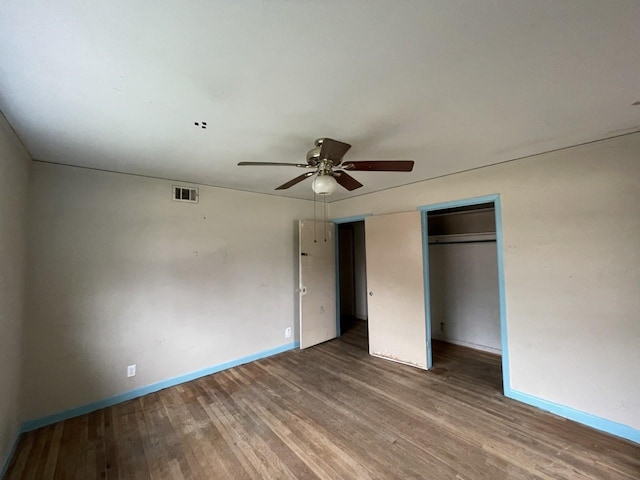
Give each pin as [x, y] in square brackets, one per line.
[355, 218]
[426, 285]
[608, 426]
[495, 199]
[593, 421]
[139, 392]
[464, 202]
[337, 273]
[504, 344]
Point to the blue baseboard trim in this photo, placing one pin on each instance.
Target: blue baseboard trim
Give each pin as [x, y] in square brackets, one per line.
[139, 392]
[592, 421]
[7, 461]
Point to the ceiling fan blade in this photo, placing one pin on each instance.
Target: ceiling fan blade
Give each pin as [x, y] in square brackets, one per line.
[277, 164]
[333, 150]
[296, 180]
[347, 181]
[380, 166]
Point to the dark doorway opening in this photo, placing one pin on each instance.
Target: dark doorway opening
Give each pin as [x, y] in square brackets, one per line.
[352, 277]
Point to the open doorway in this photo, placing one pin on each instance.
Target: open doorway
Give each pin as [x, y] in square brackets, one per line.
[352, 279]
[464, 292]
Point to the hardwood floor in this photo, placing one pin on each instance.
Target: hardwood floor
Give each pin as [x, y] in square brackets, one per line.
[329, 412]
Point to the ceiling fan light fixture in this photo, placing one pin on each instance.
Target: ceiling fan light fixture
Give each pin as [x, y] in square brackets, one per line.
[324, 184]
[324, 163]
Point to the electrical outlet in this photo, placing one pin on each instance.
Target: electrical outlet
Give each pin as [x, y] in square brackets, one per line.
[287, 332]
[131, 371]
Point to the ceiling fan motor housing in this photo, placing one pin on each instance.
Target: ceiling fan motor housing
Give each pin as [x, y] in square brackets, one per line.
[313, 156]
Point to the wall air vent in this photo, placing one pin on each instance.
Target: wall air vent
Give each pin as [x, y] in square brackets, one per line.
[185, 194]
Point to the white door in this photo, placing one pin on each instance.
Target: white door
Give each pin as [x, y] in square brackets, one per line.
[317, 282]
[395, 279]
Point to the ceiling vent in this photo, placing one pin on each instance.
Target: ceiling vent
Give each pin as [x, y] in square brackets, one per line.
[185, 194]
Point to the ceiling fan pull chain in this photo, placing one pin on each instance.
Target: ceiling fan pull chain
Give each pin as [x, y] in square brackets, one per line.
[324, 215]
[315, 238]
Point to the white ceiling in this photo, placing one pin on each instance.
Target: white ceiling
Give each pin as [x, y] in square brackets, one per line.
[453, 85]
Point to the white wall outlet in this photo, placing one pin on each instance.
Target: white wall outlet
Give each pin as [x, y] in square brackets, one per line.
[287, 332]
[131, 371]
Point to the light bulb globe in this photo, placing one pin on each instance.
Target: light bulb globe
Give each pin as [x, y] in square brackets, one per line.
[324, 184]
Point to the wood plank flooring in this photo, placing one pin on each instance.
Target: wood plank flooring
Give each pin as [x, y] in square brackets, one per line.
[329, 412]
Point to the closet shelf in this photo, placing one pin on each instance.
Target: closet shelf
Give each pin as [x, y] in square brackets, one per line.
[479, 237]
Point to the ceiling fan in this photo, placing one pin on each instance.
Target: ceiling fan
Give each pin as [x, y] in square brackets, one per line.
[325, 163]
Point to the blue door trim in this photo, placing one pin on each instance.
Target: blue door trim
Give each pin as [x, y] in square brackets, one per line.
[426, 285]
[588, 419]
[354, 218]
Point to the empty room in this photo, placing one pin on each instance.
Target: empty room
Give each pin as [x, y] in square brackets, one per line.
[273, 239]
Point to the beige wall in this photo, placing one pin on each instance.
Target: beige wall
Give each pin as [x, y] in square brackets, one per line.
[121, 274]
[14, 169]
[571, 227]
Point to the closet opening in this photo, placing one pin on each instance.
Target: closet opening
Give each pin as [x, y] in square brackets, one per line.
[352, 280]
[464, 293]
